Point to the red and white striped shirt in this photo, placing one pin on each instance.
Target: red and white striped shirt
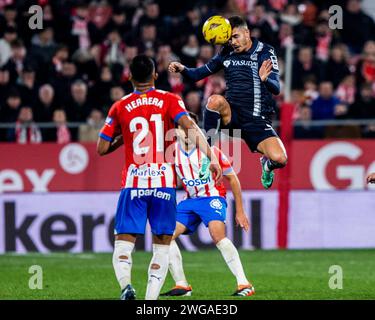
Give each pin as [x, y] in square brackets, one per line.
[187, 168]
[144, 120]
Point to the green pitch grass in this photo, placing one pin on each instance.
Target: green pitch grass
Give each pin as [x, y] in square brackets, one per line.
[293, 274]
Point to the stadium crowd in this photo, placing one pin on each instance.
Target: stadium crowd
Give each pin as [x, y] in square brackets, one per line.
[72, 70]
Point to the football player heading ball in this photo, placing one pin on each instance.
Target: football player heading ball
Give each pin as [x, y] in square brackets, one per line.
[252, 76]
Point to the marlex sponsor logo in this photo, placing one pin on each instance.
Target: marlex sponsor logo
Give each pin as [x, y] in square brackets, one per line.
[149, 172]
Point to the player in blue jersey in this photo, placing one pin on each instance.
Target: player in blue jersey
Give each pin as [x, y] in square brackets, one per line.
[252, 77]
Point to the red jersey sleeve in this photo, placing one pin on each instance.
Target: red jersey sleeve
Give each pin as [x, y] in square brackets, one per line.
[176, 107]
[223, 161]
[111, 126]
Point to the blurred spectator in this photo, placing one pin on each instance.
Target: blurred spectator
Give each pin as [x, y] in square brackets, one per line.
[323, 107]
[346, 91]
[45, 105]
[79, 108]
[43, 46]
[10, 34]
[62, 132]
[360, 27]
[305, 66]
[4, 85]
[89, 132]
[116, 93]
[323, 39]
[113, 49]
[60, 56]
[10, 15]
[193, 102]
[100, 92]
[215, 85]
[190, 50]
[9, 112]
[364, 107]
[27, 86]
[305, 130]
[26, 131]
[337, 66]
[310, 90]
[120, 22]
[152, 16]
[366, 66]
[80, 35]
[290, 15]
[17, 62]
[148, 38]
[264, 24]
[63, 81]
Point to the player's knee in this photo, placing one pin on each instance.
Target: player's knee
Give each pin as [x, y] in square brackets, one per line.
[215, 102]
[280, 158]
[217, 236]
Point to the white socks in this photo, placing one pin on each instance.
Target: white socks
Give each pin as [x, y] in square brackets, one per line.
[175, 265]
[122, 262]
[232, 259]
[157, 271]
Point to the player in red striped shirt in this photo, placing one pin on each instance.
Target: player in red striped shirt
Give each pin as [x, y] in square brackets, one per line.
[205, 202]
[140, 121]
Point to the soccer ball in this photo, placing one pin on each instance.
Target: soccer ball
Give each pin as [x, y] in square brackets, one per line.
[217, 30]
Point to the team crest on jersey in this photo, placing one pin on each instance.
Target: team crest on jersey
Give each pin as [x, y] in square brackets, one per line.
[226, 63]
[109, 120]
[216, 204]
[181, 103]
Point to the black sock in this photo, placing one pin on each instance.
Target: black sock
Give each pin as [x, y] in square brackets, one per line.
[211, 123]
[272, 165]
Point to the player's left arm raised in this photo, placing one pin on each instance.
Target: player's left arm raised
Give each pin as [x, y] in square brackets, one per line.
[269, 71]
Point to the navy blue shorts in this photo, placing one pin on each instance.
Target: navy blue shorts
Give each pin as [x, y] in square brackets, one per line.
[191, 212]
[136, 205]
[253, 132]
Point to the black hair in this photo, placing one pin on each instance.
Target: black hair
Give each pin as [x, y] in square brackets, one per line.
[237, 21]
[142, 68]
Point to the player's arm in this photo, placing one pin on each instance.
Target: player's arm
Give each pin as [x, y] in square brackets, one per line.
[109, 138]
[104, 147]
[196, 74]
[235, 185]
[269, 72]
[196, 136]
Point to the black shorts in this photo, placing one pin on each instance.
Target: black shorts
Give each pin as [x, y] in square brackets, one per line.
[253, 132]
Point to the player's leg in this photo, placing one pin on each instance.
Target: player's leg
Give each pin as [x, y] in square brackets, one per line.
[274, 158]
[158, 268]
[122, 263]
[231, 257]
[162, 218]
[216, 113]
[175, 258]
[176, 268]
[130, 219]
[187, 223]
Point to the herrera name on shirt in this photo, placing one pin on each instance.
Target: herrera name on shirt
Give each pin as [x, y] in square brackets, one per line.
[144, 101]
